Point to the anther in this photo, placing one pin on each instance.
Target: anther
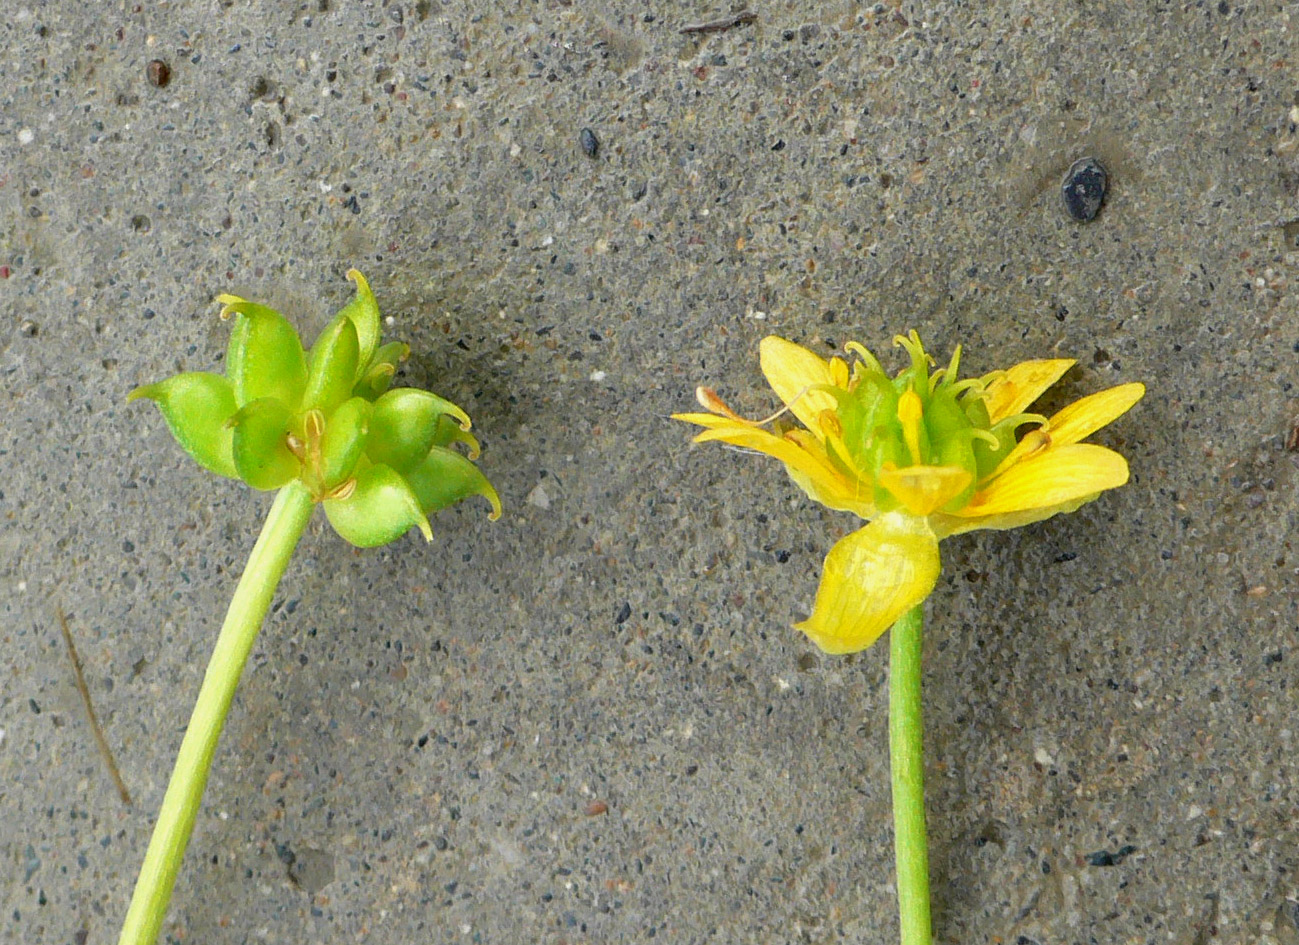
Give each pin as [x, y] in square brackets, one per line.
[830, 424]
[910, 413]
[296, 446]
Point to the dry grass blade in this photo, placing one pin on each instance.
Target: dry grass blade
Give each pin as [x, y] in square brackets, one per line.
[98, 732]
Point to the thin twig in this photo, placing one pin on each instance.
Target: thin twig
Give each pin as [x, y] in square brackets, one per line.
[102, 742]
[725, 23]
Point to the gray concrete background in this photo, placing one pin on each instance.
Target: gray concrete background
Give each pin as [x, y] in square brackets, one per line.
[461, 742]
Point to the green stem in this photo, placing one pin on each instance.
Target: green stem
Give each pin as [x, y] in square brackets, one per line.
[907, 764]
[270, 556]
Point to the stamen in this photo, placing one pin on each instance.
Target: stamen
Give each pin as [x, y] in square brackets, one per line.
[296, 446]
[1034, 442]
[342, 490]
[836, 452]
[910, 413]
[313, 424]
[782, 411]
[709, 400]
[839, 372]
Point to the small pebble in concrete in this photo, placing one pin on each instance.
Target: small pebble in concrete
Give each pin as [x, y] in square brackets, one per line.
[1106, 858]
[1084, 189]
[590, 143]
[159, 73]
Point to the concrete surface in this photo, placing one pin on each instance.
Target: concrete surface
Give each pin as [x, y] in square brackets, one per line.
[464, 742]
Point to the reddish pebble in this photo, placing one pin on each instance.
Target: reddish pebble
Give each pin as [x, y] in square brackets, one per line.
[4, 272]
[159, 73]
[595, 808]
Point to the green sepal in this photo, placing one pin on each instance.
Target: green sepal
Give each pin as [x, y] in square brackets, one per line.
[952, 439]
[944, 418]
[363, 312]
[197, 407]
[449, 431]
[343, 442]
[265, 358]
[958, 450]
[445, 477]
[260, 445]
[378, 510]
[885, 446]
[331, 368]
[874, 402]
[404, 426]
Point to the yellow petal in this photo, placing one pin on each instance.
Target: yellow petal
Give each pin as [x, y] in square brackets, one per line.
[791, 369]
[922, 489]
[816, 476]
[841, 499]
[1084, 417]
[946, 526]
[861, 500]
[871, 578]
[1033, 442]
[1013, 390]
[1060, 475]
[709, 420]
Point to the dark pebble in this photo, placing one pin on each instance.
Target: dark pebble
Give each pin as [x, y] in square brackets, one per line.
[624, 612]
[1084, 189]
[159, 73]
[1106, 858]
[590, 143]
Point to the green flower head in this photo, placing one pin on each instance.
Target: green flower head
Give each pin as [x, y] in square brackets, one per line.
[379, 460]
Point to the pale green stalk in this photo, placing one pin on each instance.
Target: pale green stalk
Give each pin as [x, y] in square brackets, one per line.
[907, 764]
[270, 556]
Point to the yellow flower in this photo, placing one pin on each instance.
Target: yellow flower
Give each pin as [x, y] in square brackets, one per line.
[921, 456]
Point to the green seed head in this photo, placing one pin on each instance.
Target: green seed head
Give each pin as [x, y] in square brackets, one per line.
[381, 461]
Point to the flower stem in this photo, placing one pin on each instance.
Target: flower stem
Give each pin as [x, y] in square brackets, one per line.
[907, 764]
[270, 556]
